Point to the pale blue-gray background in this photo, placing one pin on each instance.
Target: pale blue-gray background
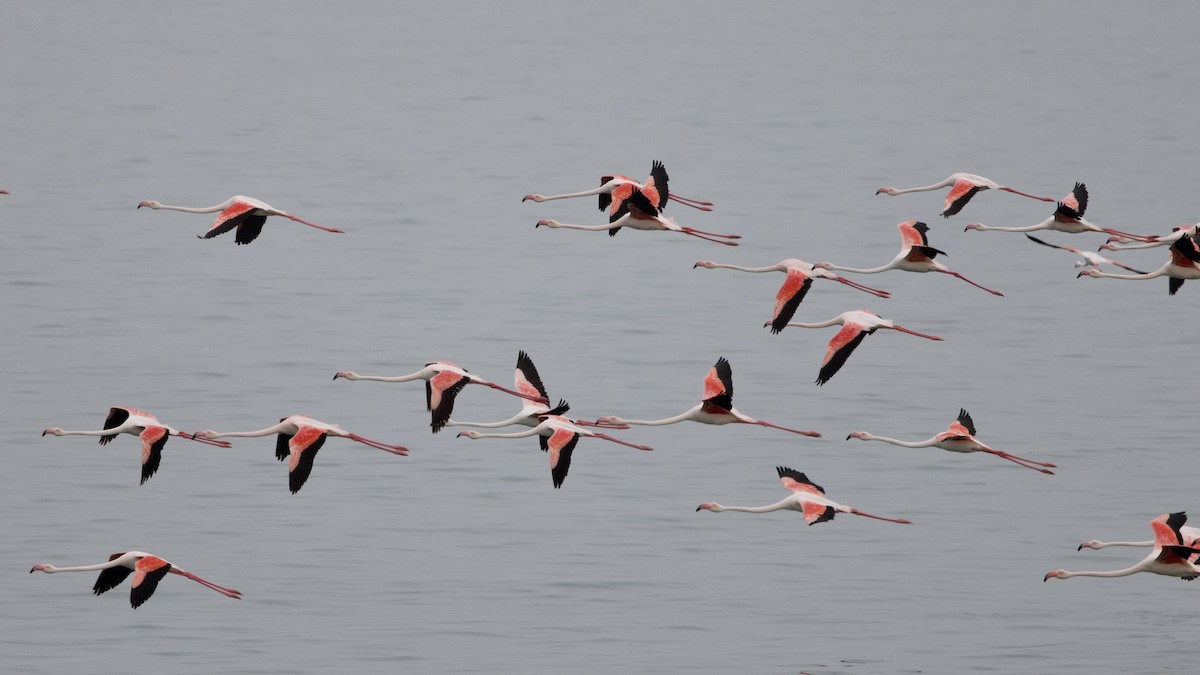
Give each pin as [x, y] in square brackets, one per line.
[417, 127]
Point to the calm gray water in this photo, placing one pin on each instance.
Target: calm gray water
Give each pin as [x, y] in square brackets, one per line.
[417, 127]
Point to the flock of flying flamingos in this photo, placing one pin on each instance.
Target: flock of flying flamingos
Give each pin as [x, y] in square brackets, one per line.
[639, 205]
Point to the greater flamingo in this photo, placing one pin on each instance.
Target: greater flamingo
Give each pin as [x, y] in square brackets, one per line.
[147, 571]
[1089, 259]
[443, 381]
[807, 497]
[1183, 264]
[958, 437]
[300, 437]
[1169, 557]
[526, 380]
[962, 186]
[557, 436]
[247, 214]
[715, 407]
[800, 275]
[856, 325]
[1068, 217]
[655, 188]
[638, 213]
[153, 434]
[916, 255]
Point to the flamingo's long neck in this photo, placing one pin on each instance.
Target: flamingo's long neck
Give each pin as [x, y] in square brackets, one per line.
[85, 568]
[514, 434]
[1106, 544]
[857, 270]
[819, 324]
[681, 417]
[528, 420]
[395, 378]
[777, 506]
[923, 188]
[1110, 573]
[246, 434]
[1045, 224]
[586, 193]
[103, 432]
[593, 228]
[772, 268]
[904, 444]
[194, 209]
[1149, 275]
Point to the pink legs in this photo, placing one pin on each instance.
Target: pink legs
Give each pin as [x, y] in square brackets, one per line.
[873, 291]
[694, 203]
[599, 425]
[299, 220]
[206, 441]
[902, 329]
[1016, 192]
[890, 520]
[1022, 461]
[615, 440]
[956, 274]
[228, 592]
[394, 449]
[709, 236]
[811, 434]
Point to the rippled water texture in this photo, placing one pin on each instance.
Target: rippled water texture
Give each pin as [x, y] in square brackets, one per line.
[417, 127]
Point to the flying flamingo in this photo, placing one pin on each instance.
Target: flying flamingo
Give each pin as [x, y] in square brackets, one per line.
[147, 571]
[4, 192]
[300, 437]
[715, 407]
[1068, 217]
[638, 213]
[916, 255]
[655, 188]
[247, 214]
[557, 436]
[443, 381]
[958, 437]
[1089, 259]
[1169, 557]
[526, 380]
[799, 278]
[1183, 264]
[963, 186]
[1118, 243]
[153, 434]
[856, 325]
[807, 497]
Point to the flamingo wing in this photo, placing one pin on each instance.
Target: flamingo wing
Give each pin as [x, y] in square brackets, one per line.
[1073, 206]
[560, 445]
[964, 420]
[526, 378]
[1173, 285]
[639, 204]
[249, 226]
[230, 218]
[796, 481]
[281, 444]
[606, 198]
[718, 386]
[1184, 253]
[839, 349]
[116, 417]
[111, 577]
[303, 449]
[440, 391]
[923, 254]
[620, 206]
[656, 185]
[960, 193]
[147, 572]
[913, 233]
[153, 441]
[789, 297]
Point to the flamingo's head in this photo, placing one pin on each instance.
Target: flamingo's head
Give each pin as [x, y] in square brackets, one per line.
[1055, 574]
[709, 506]
[348, 374]
[149, 204]
[1092, 544]
[974, 226]
[822, 266]
[707, 264]
[1089, 272]
[3, 192]
[53, 431]
[207, 434]
[468, 434]
[547, 223]
[886, 191]
[536, 198]
[42, 567]
[611, 421]
[861, 435]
